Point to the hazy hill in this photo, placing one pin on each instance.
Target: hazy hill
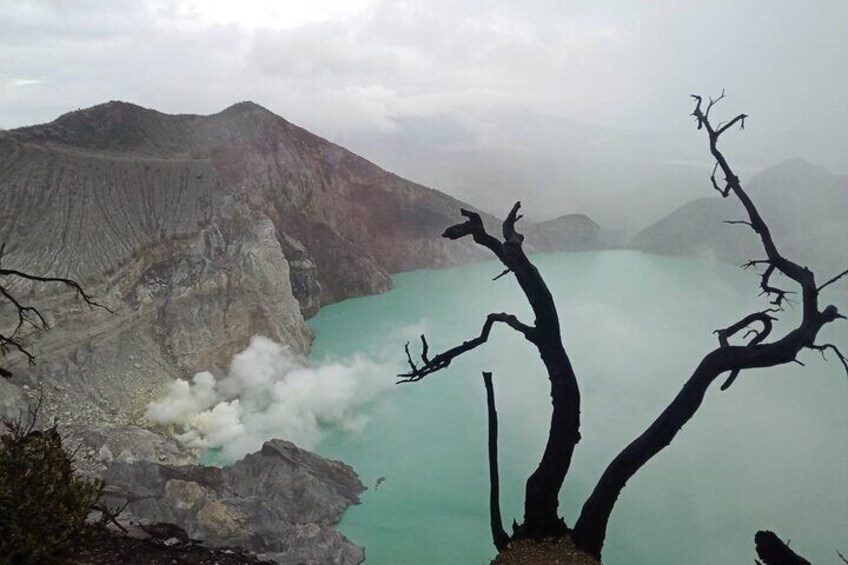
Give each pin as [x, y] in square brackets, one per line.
[623, 179]
[804, 205]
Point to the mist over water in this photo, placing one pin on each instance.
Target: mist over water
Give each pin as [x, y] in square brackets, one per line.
[769, 453]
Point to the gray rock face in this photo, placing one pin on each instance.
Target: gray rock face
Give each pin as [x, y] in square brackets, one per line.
[804, 206]
[280, 502]
[101, 445]
[303, 275]
[12, 401]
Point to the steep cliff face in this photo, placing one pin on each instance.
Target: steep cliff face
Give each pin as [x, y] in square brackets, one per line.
[198, 232]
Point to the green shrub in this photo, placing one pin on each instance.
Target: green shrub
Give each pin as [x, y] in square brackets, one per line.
[44, 506]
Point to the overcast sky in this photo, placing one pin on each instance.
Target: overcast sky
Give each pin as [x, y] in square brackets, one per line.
[337, 65]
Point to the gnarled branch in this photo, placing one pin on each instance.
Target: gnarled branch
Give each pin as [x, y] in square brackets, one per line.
[444, 359]
[30, 315]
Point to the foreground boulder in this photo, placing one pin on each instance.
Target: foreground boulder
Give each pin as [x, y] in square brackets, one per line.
[280, 502]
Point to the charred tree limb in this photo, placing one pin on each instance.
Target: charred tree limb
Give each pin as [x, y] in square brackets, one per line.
[759, 336]
[30, 315]
[839, 354]
[590, 530]
[833, 280]
[773, 551]
[499, 535]
[442, 360]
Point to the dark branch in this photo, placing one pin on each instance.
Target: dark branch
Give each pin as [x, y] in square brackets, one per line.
[504, 273]
[773, 551]
[740, 118]
[759, 336]
[88, 299]
[29, 315]
[474, 227]
[738, 222]
[509, 233]
[833, 280]
[499, 536]
[762, 317]
[443, 360]
[822, 348]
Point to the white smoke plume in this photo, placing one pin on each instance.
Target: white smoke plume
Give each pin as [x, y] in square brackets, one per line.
[269, 392]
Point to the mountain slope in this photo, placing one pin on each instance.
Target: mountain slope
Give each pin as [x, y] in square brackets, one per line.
[199, 232]
[803, 204]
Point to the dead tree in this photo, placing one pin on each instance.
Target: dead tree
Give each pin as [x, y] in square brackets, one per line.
[28, 315]
[729, 358]
[542, 491]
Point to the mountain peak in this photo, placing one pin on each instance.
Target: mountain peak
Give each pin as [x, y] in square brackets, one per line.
[113, 110]
[795, 171]
[245, 107]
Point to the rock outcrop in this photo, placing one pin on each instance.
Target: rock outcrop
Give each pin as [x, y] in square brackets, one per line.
[280, 502]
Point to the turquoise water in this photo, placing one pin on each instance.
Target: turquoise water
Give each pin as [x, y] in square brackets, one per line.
[772, 452]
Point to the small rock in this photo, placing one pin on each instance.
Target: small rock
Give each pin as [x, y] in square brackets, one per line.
[104, 455]
[126, 456]
[171, 541]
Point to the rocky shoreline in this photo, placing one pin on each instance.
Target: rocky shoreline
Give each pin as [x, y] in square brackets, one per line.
[280, 503]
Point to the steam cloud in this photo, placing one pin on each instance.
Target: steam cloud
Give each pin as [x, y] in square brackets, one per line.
[269, 392]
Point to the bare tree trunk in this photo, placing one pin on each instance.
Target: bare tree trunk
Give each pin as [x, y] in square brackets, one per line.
[542, 491]
[499, 536]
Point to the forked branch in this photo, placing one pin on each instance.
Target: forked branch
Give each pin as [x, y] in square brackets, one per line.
[427, 365]
[28, 315]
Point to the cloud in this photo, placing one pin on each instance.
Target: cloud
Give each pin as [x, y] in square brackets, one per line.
[268, 392]
[333, 68]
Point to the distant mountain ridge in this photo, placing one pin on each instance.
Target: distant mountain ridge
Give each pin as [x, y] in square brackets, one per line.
[804, 205]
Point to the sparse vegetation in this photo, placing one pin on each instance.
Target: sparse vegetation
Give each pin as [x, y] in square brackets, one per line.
[44, 504]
